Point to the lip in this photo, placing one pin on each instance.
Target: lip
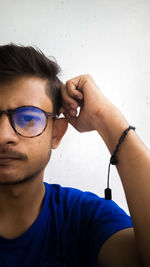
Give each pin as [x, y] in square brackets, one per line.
[6, 161]
[6, 156]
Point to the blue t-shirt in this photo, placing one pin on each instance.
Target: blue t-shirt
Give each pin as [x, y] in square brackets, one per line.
[69, 231]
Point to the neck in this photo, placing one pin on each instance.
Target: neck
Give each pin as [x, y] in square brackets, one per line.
[20, 204]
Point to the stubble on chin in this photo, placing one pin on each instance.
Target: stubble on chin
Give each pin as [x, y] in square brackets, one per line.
[28, 173]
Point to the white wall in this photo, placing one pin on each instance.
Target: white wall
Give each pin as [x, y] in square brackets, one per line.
[109, 39]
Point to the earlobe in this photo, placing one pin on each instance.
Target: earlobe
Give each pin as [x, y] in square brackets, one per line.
[59, 129]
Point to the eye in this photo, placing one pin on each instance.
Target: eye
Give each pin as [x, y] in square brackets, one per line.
[28, 118]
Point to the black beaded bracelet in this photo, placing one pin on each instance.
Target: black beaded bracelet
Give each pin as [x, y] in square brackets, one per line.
[114, 161]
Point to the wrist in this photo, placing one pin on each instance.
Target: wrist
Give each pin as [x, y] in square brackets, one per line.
[110, 124]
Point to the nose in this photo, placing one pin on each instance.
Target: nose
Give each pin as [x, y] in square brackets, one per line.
[7, 133]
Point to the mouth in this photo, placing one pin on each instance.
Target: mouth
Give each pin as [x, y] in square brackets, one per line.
[6, 161]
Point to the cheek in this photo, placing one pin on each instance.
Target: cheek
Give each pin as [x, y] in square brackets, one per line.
[42, 147]
[39, 154]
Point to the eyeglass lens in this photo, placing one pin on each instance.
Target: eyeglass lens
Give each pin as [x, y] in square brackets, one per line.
[29, 121]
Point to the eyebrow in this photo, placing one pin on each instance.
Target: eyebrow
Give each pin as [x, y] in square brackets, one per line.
[12, 109]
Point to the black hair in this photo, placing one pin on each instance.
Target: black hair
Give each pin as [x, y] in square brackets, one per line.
[18, 61]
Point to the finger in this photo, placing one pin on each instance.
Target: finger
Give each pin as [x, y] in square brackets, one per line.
[67, 100]
[72, 90]
[61, 110]
[73, 112]
[70, 113]
[71, 119]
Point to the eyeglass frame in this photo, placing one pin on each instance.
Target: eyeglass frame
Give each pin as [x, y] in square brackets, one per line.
[10, 112]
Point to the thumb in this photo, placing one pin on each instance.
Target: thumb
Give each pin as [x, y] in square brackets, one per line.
[73, 120]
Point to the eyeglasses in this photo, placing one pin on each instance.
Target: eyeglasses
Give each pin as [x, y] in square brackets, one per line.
[28, 121]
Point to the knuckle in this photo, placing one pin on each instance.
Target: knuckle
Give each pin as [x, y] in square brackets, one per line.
[88, 76]
[68, 83]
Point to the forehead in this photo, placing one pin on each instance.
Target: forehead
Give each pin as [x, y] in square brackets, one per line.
[25, 91]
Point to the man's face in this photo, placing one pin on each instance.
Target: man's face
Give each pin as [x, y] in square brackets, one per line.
[33, 153]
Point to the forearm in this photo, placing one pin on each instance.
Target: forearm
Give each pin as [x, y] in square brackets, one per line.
[134, 170]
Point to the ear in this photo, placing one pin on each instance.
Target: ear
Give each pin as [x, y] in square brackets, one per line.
[59, 129]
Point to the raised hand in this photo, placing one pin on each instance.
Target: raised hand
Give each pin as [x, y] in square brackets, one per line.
[83, 92]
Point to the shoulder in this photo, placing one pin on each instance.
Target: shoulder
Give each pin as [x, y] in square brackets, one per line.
[89, 206]
[86, 218]
[119, 250]
[86, 199]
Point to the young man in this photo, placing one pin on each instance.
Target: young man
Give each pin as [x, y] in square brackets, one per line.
[48, 225]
